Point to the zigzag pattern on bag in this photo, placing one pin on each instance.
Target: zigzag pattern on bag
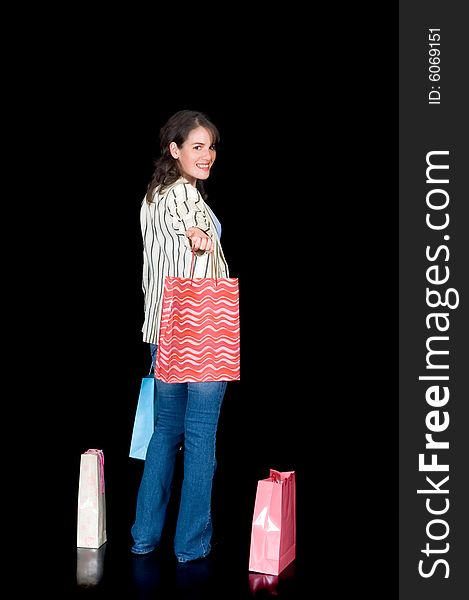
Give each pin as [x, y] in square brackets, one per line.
[199, 333]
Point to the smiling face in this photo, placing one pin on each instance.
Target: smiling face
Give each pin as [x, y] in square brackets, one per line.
[196, 155]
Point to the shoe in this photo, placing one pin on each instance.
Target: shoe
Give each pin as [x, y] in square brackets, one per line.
[145, 553]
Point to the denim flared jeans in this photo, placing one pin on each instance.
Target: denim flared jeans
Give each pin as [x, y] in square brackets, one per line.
[187, 415]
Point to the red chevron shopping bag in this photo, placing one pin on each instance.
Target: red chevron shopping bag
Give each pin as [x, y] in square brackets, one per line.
[199, 331]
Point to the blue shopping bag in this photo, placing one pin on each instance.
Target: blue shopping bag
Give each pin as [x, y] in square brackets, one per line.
[145, 417]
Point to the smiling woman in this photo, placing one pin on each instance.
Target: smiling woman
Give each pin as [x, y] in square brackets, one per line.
[196, 155]
[181, 238]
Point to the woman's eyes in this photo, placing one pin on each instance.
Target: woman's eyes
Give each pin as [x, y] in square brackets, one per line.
[199, 147]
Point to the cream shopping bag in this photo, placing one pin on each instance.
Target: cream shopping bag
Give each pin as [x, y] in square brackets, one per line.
[91, 521]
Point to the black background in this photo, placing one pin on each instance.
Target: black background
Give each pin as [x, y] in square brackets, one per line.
[305, 188]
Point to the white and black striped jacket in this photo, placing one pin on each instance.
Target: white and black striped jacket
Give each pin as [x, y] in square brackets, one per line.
[166, 248]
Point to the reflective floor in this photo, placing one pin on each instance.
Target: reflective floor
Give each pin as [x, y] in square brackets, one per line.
[107, 573]
[111, 571]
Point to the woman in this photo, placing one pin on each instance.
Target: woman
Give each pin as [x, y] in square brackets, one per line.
[175, 222]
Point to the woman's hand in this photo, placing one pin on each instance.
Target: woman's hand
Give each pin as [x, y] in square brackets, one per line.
[199, 240]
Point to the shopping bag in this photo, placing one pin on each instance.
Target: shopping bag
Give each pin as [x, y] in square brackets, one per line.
[273, 531]
[145, 416]
[91, 521]
[199, 331]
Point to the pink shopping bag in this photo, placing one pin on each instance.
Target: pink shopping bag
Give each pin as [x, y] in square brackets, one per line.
[273, 532]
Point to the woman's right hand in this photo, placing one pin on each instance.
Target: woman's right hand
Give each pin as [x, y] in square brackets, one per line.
[199, 240]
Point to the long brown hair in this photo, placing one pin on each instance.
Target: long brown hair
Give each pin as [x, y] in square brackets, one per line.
[177, 129]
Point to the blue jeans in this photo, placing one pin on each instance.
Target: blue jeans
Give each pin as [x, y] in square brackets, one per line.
[187, 415]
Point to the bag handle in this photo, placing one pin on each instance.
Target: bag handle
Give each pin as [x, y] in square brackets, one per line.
[100, 455]
[214, 264]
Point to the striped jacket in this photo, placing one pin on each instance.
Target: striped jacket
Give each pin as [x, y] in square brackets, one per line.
[166, 248]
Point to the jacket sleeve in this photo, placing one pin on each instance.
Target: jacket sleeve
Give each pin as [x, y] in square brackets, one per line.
[186, 208]
[146, 265]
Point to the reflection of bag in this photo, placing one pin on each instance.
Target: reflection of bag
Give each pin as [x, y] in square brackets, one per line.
[273, 533]
[145, 416]
[90, 565]
[272, 585]
[199, 330]
[91, 522]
